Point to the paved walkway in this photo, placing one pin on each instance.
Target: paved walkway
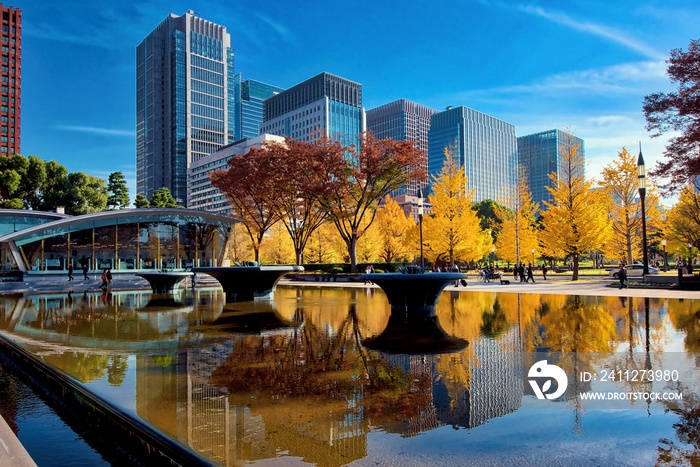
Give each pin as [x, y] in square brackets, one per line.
[597, 285]
[12, 453]
[592, 287]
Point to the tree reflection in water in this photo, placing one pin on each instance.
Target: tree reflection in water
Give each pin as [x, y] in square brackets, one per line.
[687, 450]
[315, 382]
[329, 374]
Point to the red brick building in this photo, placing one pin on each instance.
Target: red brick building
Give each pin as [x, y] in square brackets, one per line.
[10, 78]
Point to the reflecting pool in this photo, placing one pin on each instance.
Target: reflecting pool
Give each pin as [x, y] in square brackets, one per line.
[328, 376]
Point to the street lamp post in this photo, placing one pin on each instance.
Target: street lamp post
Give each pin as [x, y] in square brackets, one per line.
[493, 251]
[663, 244]
[533, 257]
[420, 221]
[642, 179]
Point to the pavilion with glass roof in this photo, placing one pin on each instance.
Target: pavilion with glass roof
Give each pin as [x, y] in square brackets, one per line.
[125, 240]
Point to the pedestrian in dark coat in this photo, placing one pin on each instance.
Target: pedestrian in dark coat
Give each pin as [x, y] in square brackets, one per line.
[622, 275]
[529, 273]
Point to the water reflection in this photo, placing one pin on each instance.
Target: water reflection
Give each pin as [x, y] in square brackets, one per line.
[303, 377]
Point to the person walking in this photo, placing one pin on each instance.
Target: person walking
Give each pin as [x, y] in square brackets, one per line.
[85, 272]
[529, 273]
[515, 272]
[70, 272]
[104, 283]
[544, 272]
[622, 275]
[521, 271]
[108, 276]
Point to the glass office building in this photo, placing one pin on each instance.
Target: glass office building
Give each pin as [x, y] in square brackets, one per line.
[542, 154]
[249, 98]
[326, 103]
[184, 101]
[130, 240]
[483, 146]
[403, 120]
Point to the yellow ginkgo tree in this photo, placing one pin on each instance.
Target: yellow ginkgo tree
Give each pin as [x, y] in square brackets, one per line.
[452, 231]
[394, 225]
[620, 183]
[518, 235]
[576, 221]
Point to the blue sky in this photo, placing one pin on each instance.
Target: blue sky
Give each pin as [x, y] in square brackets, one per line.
[586, 65]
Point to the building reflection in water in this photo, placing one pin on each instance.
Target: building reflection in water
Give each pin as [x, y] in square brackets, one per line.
[291, 378]
[322, 410]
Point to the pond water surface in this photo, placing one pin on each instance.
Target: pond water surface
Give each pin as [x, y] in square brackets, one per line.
[326, 376]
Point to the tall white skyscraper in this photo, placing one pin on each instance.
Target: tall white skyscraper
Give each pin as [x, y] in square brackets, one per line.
[184, 100]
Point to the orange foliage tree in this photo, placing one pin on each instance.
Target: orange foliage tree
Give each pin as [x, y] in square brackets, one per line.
[351, 183]
[245, 185]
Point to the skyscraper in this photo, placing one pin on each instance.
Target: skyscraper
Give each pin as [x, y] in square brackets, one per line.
[484, 147]
[403, 120]
[11, 80]
[184, 104]
[249, 96]
[326, 103]
[541, 154]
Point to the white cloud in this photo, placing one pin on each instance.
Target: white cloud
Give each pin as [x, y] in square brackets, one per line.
[624, 78]
[622, 38]
[614, 35]
[95, 130]
[280, 29]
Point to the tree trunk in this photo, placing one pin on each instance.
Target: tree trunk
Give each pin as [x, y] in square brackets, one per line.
[574, 276]
[256, 250]
[352, 253]
[298, 253]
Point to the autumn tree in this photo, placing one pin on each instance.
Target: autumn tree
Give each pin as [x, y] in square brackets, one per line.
[518, 223]
[369, 245]
[452, 232]
[576, 220]
[620, 183]
[321, 247]
[353, 181]
[278, 247]
[683, 223]
[245, 184]
[119, 197]
[291, 187]
[678, 111]
[394, 225]
[239, 247]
